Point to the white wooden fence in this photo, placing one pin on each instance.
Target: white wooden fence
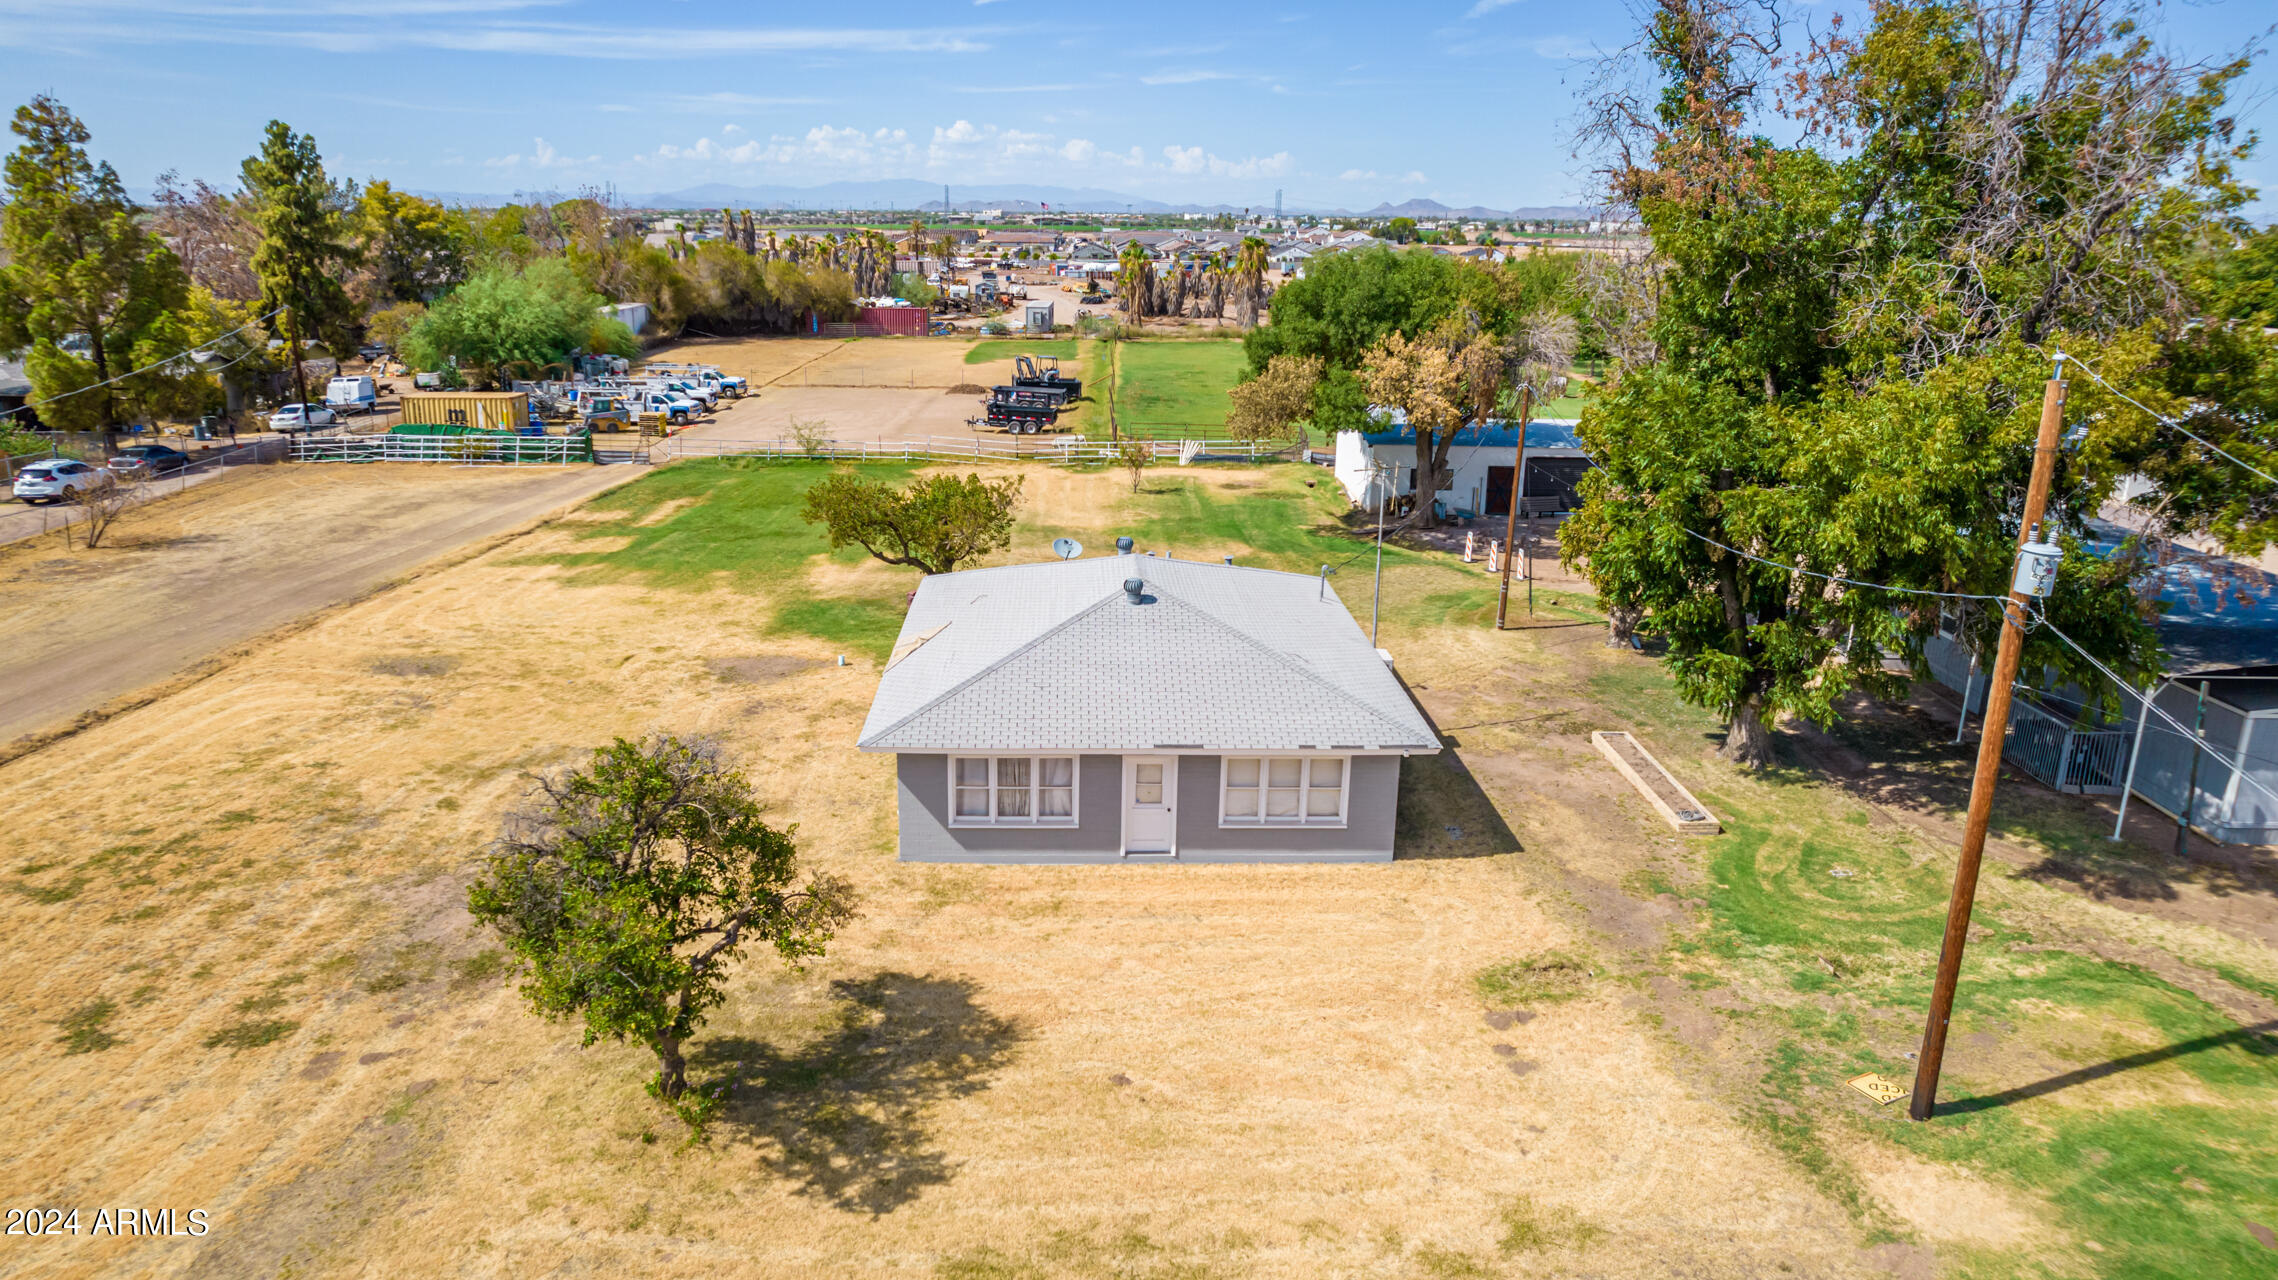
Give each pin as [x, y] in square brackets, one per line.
[471, 451]
[1052, 449]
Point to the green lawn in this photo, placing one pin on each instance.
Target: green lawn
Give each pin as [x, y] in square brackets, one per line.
[992, 349]
[737, 525]
[2141, 1113]
[1163, 387]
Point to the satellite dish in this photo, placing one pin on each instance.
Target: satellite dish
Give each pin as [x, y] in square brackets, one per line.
[1067, 548]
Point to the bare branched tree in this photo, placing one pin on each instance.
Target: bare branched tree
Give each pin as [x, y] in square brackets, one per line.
[1621, 294]
[98, 507]
[213, 234]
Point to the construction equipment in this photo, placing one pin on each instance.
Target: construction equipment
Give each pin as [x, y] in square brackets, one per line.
[1043, 373]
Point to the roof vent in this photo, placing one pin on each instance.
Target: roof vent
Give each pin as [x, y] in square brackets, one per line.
[1123, 546]
[1134, 588]
[1229, 559]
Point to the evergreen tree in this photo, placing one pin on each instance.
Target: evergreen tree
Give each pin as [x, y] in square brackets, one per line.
[304, 248]
[85, 289]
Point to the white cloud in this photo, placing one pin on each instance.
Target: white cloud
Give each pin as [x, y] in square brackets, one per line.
[479, 26]
[960, 151]
[542, 156]
[1191, 76]
[706, 102]
[1410, 178]
[728, 130]
[1195, 160]
[1015, 88]
[1485, 7]
[1558, 48]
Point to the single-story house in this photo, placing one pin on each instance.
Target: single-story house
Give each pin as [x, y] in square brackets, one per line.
[2234, 789]
[1136, 707]
[1479, 467]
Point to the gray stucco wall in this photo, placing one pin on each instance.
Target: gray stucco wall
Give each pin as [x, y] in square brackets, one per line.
[922, 798]
[1371, 807]
[921, 783]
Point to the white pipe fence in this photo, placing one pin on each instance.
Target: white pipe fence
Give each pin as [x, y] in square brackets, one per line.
[1053, 449]
[2051, 748]
[469, 450]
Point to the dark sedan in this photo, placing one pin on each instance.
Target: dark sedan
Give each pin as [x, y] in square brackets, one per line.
[150, 459]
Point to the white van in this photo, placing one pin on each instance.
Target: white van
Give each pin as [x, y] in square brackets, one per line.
[351, 394]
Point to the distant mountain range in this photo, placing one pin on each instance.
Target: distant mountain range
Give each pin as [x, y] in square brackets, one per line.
[926, 197]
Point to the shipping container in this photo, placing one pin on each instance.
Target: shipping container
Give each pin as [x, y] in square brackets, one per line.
[481, 410]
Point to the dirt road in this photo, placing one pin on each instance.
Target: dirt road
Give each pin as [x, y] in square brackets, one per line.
[231, 559]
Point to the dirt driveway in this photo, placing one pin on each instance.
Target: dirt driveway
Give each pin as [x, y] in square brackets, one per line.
[852, 413]
[233, 558]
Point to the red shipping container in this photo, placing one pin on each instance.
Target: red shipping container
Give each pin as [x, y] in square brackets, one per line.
[907, 322]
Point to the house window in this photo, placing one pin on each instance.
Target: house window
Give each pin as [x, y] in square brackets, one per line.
[1013, 791]
[1270, 791]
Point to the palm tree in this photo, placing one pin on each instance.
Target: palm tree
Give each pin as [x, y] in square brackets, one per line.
[917, 245]
[1216, 272]
[1250, 280]
[1135, 279]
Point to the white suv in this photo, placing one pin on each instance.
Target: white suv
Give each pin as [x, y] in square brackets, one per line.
[59, 480]
[300, 417]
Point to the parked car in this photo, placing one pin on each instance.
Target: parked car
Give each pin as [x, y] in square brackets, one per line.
[300, 417]
[371, 351]
[60, 480]
[150, 459]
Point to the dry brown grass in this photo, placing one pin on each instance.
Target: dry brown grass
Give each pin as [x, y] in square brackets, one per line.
[1197, 1071]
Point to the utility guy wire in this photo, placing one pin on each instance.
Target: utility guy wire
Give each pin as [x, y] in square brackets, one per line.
[2175, 726]
[148, 367]
[2164, 420]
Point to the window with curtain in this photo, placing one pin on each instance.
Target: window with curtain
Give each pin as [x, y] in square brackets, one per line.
[1297, 791]
[1012, 791]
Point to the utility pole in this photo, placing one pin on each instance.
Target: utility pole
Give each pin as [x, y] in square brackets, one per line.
[2191, 786]
[1376, 600]
[1993, 728]
[1511, 517]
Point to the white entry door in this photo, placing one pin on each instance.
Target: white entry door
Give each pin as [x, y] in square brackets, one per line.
[1149, 787]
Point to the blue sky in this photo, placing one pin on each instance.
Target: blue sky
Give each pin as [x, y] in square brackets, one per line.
[1464, 101]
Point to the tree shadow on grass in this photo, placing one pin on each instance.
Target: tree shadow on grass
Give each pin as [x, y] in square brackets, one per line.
[2256, 1040]
[846, 1114]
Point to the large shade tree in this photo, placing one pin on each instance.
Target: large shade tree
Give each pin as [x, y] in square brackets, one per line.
[1851, 330]
[507, 319]
[89, 295]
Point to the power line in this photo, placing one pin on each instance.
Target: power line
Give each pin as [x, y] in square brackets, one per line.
[1848, 582]
[148, 367]
[2152, 708]
[2164, 420]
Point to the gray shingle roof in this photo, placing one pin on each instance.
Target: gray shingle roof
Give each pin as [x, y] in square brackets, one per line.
[1054, 657]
